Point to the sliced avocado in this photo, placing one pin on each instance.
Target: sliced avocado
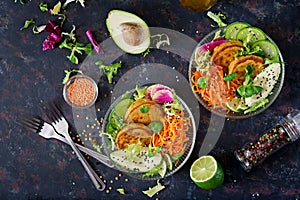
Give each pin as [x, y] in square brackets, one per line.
[128, 31]
[139, 162]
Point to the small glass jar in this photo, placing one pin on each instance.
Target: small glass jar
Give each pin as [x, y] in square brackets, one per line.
[284, 132]
[80, 91]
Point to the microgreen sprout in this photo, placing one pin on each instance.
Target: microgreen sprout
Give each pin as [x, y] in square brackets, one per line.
[76, 48]
[71, 35]
[56, 9]
[68, 74]
[109, 70]
[27, 23]
[43, 7]
[218, 18]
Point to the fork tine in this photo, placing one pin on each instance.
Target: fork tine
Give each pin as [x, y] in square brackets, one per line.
[55, 112]
[31, 123]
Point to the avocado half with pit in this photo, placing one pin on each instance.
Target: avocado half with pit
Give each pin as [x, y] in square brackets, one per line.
[128, 31]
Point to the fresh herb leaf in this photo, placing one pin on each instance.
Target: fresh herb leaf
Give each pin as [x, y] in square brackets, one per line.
[68, 74]
[248, 89]
[202, 82]
[230, 77]
[217, 18]
[144, 109]
[109, 70]
[43, 7]
[27, 23]
[78, 48]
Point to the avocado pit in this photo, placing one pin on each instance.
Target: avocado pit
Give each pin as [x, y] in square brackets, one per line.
[132, 33]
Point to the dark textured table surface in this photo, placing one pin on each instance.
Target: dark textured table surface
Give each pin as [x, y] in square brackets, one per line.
[34, 168]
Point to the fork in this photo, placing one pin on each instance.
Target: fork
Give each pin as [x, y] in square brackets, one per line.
[47, 131]
[61, 122]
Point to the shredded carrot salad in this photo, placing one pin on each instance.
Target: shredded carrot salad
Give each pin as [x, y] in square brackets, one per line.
[172, 138]
[217, 92]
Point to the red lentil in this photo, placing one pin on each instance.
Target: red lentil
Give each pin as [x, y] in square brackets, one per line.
[81, 92]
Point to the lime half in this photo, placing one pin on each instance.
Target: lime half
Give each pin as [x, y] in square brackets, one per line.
[207, 173]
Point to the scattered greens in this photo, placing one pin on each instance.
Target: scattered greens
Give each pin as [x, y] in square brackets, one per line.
[68, 74]
[109, 70]
[78, 48]
[43, 7]
[27, 23]
[152, 191]
[121, 190]
[248, 89]
[218, 18]
[172, 108]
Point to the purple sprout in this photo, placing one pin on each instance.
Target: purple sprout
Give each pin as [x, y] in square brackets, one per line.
[95, 44]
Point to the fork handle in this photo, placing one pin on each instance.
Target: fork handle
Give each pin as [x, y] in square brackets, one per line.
[102, 158]
[99, 184]
[98, 156]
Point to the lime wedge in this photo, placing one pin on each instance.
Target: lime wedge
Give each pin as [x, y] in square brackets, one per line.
[207, 173]
[162, 169]
[169, 162]
[236, 104]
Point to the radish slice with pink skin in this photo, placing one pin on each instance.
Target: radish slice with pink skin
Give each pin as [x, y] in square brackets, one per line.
[211, 45]
[160, 93]
[163, 96]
